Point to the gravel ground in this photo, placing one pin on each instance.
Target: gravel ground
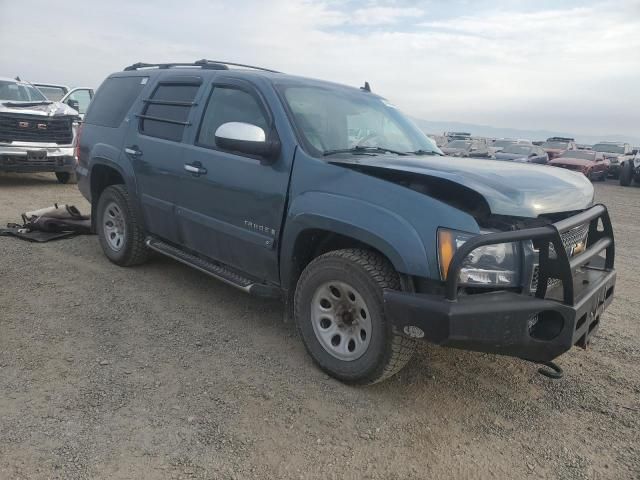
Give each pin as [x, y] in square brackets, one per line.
[162, 372]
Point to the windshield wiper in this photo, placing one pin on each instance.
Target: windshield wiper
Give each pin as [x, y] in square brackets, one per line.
[364, 150]
[424, 152]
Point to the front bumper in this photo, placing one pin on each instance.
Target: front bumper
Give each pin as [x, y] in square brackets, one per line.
[537, 328]
[36, 157]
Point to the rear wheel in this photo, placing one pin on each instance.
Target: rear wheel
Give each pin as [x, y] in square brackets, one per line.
[340, 315]
[626, 174]
[63, 177]
[119, 230]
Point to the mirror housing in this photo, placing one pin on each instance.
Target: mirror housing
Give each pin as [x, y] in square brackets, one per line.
[248, 139]
[75, 104]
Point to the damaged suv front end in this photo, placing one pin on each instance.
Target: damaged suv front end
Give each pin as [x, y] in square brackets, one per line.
[539, 300]
[36, 135]
[531, 282]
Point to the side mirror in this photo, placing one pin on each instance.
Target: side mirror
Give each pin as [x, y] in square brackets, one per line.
[75, 104]
[532, 155]
[246, 138]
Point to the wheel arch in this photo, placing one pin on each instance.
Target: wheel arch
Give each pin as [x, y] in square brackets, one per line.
[315, 227]
[104, 173]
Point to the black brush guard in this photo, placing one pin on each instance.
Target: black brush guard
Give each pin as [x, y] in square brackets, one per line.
[536, 327]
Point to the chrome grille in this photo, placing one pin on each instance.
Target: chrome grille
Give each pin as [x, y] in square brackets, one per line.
[570, 239]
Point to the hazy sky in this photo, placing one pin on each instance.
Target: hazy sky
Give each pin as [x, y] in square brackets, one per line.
[568, 66]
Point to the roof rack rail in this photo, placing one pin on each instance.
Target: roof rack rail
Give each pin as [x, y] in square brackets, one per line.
[204, 63]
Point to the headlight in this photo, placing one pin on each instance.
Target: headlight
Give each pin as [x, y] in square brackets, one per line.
[490, 266]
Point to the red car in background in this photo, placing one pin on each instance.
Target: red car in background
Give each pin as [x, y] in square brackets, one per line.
[555, 146]
[592, 164]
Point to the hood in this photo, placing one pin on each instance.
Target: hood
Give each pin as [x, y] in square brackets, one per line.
[44, 109]
[580, 162]
[515, 189]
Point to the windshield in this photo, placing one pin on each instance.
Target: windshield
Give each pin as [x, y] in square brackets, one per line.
[19, 92]
[459, 144]
[517, 149]
[584, 155]
[559, 145]
[334, 119]
[503, 143]
[53, 93]
[609, 148]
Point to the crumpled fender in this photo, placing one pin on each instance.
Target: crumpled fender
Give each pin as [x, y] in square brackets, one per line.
[371, 224]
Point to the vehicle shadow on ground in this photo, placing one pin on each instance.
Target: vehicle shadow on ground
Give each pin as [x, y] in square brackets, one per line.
[451, 369]
[28, 180]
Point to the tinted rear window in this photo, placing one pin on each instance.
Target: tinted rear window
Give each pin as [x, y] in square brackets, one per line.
[167, 111]
[113, 100]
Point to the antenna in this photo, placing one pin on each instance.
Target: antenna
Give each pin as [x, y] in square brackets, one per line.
[366, 88]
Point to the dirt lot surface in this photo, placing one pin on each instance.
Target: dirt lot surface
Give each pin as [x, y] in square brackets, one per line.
[162, 372]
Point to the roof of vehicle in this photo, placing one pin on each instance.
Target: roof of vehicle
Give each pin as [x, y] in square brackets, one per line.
[617, 144]
[560, 139]
[55, 85]
[7, 79]
[204, 67]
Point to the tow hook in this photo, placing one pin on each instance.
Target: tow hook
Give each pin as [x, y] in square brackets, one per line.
[552, 370]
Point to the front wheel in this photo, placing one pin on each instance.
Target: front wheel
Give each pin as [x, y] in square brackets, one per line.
[339, 312]
[626, 174]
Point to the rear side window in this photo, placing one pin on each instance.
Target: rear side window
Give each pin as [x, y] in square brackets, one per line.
[113, 100]
[228, 104]
[167, 111]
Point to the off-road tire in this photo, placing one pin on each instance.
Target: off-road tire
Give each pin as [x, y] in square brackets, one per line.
[369, 273]
[626, 174]
[63, 177]
[134, 251]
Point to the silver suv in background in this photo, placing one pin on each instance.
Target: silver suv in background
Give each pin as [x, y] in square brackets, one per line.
[36, 134]
[617, 153]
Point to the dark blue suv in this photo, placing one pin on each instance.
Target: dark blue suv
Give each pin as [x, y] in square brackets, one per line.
[329, 197]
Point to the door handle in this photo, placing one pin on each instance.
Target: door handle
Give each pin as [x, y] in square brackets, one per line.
[133, 151]
[196, 168]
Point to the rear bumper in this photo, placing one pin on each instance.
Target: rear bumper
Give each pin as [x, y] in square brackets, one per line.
[506, 323]
[36, 158]
[534, 327]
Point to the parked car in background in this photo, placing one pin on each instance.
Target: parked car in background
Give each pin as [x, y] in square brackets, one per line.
[523, 154]
[630, 169]
[582, 146]
[466, 148]
[499, 144]
[457, 136]
[440, 140]
[592, 164]
[617, 153]
[36, 134]
[554, 146]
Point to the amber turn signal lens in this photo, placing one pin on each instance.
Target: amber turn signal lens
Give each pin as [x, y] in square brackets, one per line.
[446, 249]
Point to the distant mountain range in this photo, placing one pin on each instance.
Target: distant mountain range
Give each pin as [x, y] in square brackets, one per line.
[438, 127]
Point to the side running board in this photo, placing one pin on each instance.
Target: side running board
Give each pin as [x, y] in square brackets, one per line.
[214, 269]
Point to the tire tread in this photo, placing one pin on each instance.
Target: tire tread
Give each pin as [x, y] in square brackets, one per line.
[384, 275]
